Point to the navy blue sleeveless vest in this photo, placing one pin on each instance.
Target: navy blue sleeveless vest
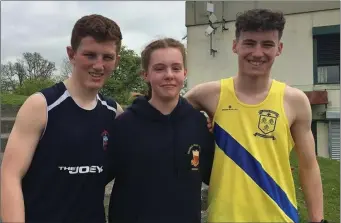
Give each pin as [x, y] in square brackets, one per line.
[66, 181]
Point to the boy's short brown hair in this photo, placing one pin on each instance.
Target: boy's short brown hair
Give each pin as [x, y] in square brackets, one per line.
[97, 26]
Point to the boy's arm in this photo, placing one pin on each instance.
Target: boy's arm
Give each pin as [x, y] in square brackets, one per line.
[205, 97]
[309, 171]
[20, 148]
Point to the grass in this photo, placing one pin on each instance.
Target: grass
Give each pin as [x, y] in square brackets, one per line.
[330, 174]
[12, 99]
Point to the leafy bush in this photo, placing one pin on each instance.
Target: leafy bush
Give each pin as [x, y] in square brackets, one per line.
[31, 86]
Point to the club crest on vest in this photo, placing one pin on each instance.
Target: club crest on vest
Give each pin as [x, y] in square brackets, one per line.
[105, 139]
[267, 123]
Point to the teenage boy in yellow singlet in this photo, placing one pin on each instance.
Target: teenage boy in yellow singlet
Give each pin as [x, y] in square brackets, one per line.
[257, 121]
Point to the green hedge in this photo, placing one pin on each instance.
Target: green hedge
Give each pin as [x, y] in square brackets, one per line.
[12, 99]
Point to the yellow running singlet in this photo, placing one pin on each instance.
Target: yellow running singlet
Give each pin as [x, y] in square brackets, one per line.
[251, 179]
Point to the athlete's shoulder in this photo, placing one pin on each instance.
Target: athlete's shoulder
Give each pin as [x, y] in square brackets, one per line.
[226, 79]
[108, 102]
[36, 100]
[211, 86]
[294, 94]
[296, 98]
[203, 90]
[56, 92]
[34, 108]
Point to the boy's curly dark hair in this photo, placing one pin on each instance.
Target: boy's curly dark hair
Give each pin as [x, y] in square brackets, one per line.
[260, 20]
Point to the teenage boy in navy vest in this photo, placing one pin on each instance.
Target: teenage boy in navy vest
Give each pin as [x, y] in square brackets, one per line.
[52, 169]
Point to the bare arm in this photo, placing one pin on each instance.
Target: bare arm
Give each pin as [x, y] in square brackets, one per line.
[19, 151]
[309, 171]
[205, 97]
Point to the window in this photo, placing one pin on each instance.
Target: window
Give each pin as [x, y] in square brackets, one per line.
[327, 55]
[328, 74]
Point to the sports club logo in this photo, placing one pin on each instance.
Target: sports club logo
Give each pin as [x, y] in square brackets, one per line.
[267, 123]
[105, 139]
[194, 151]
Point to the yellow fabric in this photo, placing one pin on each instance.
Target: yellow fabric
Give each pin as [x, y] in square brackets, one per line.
[233, 195]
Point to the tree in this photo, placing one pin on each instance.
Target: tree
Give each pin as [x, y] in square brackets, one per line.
[18, 70]
[37, 66]
[30, 66]
[126, 78]
[185, 88]
[65, 68]
[8, 81]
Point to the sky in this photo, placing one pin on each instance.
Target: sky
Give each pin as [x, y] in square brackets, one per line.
[45, 26]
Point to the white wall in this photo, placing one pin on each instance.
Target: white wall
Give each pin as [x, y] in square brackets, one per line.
[294, 66]
[322, 139]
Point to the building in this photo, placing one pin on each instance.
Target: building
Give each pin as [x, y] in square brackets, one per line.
[310, 60]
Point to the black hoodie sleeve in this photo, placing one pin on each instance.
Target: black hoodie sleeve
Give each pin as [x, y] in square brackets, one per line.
[207, 154]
